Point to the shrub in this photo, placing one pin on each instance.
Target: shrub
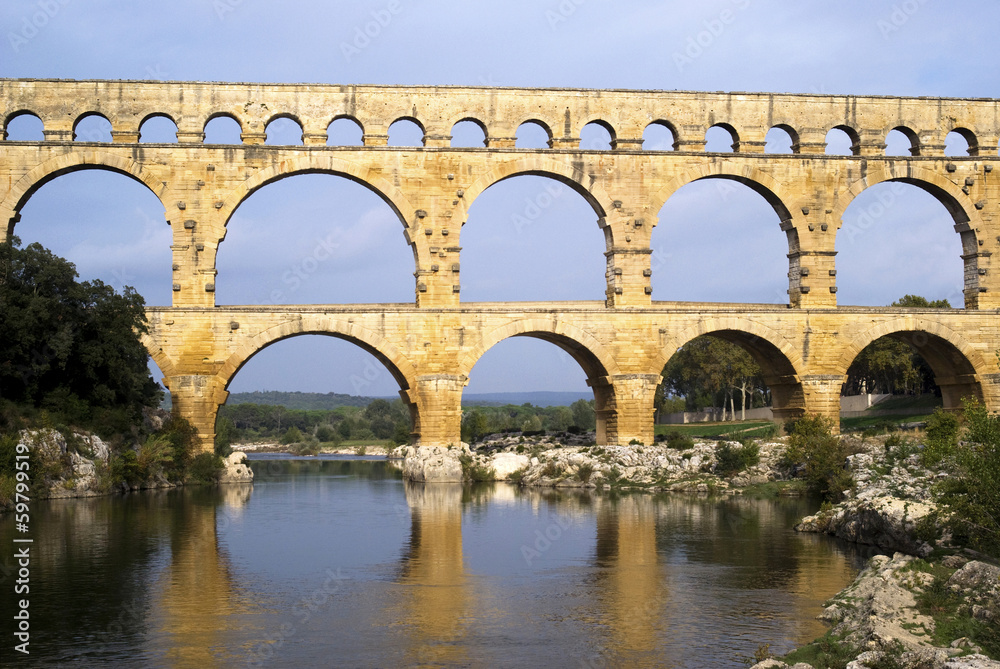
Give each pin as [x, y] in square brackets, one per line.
[970, 496]
[552, 469]
[584, 472]
[154, 456]
[517, 476]
[941, 439]
[811, 443]
[291, 436]
[205, 468]
[124, 468]
[729, 460]
[325, 433]
[679, 442]
[476, 473]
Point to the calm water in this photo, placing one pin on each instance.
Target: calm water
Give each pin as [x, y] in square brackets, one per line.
[340, 563]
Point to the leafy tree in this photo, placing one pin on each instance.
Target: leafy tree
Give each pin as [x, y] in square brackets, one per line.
[890, 365]
[711, 371]
[70, 347]
[583, 414]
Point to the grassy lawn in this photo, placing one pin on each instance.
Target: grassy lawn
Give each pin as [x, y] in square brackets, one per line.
[929, 402]
[849, 424]
[745, 428]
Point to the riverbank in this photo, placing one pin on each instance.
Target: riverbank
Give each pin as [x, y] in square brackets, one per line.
[84, 466]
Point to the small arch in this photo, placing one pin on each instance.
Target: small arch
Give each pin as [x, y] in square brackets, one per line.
[597, 136]
[901, 141]
[406, 131]
[158, 129]
[468, 133]
[660, 136]
[843, 140]
[283, 130]
[92, 127]
[533, 134]
[961, 142]
[24, 126]
[223, 128]
[345, 131]
[781, 139]
[722, 138]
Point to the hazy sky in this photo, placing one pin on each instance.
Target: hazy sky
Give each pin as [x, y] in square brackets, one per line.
[114, 229]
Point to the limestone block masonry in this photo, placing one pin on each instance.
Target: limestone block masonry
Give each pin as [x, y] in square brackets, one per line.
[622, 343]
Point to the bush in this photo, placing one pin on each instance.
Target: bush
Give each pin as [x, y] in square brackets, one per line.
[584, 472]
[941, 437]
[971, 495]
[205, 468]
[679, 442]
[125, 468]
[326, 434]
[729, 460]
[811, 443]
[476, 473]
[291, 436]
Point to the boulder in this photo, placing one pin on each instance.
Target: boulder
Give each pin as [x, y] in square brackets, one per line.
[433, 463]
[235, 469]
[506, 464]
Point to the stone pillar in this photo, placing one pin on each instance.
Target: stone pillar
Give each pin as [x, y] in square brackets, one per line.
[437, 140]
[253, 137]
[314, 138]
[375, 139]
[629, 270]
[197, 397]
[812, 270]
[787, 397]
[634, 398]
[871, 142]
[821, 393]
[812, 141]
[501, 142]
[930, 143]
[194, 250]
[438, 401]
[954, 389]
[691, 138]
[564, 143]
[989, 385]
[130, 136]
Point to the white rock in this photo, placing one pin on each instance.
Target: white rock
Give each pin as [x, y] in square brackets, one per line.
[236, 469]
[506, 464]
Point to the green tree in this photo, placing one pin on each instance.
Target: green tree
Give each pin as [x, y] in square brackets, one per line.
[892, 365]
[711, 371]
[70, 347]
[583, 414]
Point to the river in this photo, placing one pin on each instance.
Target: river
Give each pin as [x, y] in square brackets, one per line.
[338, 562]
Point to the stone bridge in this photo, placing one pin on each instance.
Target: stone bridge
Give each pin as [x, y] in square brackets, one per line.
[622, 343]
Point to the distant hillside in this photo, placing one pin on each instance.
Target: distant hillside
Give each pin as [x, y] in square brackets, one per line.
[295, 400]
[539, 398]
[327, 401]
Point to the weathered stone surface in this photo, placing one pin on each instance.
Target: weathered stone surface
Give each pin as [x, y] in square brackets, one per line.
[426, 464]
[623, 341]
[236, 469]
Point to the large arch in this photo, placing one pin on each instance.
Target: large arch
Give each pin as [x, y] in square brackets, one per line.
[597, 363]
[958, 367]
[544, 166]
[34, 179]
[757, 180]
[323, 164]
[779, 360]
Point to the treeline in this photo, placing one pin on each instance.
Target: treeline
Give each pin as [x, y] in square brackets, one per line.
[299, 400]
[526, 418]
[379, 420]
[384, 420]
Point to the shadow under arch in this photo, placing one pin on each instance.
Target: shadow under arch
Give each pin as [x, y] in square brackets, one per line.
[957, 366]
[950, 195]
[386, 353]
[595, 360]
[53, 168]
[778, 359]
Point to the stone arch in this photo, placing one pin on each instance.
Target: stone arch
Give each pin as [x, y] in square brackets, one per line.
[89, 115]
[733, 134]
[956, 364]
[757, 180]
[600, 123]
[595, 359]
[37, 177]
[970, 139]
[316, 163]
[779, 360]
[597, 362]
[156, 352]
[18, 113]
[397, 364]
[543, 166]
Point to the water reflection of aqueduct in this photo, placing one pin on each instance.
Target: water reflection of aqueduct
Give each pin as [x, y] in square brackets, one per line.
[430, 346]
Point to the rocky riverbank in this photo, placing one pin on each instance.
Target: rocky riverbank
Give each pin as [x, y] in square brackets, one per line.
[82, 468]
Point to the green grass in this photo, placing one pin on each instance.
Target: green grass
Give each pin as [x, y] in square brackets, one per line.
[849, 424]
[929, 402]
[715, 429]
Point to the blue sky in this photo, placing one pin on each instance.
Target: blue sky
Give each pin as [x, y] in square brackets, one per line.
[114, 230]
